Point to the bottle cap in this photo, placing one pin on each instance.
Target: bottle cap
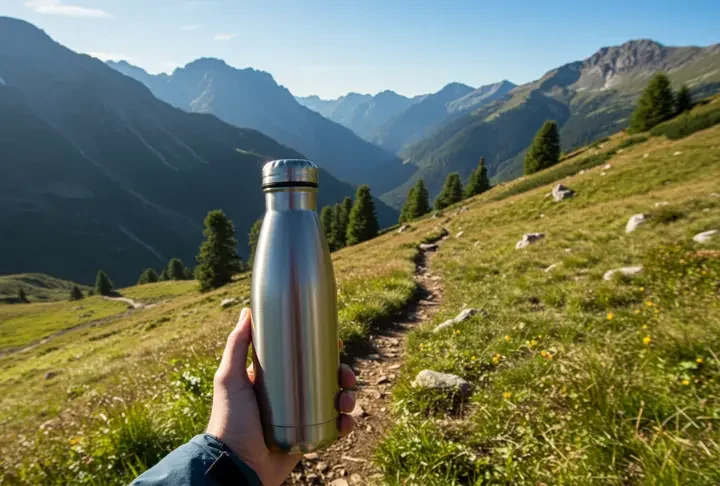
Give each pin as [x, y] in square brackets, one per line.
[289, 173]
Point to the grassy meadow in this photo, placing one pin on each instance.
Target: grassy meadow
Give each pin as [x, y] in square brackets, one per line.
[575, 379]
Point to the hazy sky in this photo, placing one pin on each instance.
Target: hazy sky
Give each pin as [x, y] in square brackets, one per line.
[331, 48]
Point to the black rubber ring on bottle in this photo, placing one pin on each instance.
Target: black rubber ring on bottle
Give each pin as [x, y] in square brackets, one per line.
[273, 185]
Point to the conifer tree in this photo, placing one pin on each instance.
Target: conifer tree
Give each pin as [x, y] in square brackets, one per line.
[326, 221]
[149, 275]
[451, 192]
[654, 106]
[21, 295]
[218, 259]
[683, 101]
[253, 236]
[479, 181]
[406, 209]
[76, 293]
[176, 269]
[544, 151]
[362, 224]
[103, 285]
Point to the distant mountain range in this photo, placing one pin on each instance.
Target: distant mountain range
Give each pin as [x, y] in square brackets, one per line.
[97, 173]
[589, 99]
[252, 99]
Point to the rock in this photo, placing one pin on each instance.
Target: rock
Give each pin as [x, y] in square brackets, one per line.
[714, 194]
[428, 246]
[603, 173]
[393, 341]
[322, 466]
[228, 303]
[358, 411]
[394, 367]
[403, 228]
[661, 203]
[476, 243]
[581, 172]
[624, 270]
[437, 214]
[246, 301]
[459, 234]
[340, 481]
[464, 315]
[529, 238]
[705, 236]
[382, 379]
[78, 307]
[560, 192]
[635, 221]
[355, 479]
[463, 209]
[434, 380]
[311, 456]
[607, 167]
[645, 156]
[51, 374]
[550, 268]
[677, 153]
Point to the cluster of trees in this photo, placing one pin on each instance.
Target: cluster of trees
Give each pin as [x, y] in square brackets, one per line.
[417, 202]
[175, 270]
[349, 223]
[659, 103]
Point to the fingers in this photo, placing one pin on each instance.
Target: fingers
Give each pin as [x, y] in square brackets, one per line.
[345, 402]
[232, 364]
[346, 377]
[341, 344]
[251, 373]
[345, 425]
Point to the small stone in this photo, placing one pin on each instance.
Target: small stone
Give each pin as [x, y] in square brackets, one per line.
[567, 250]
[645, 156]
[560, 192]
[322, 466]
[635, 221]
[542, 215]
[476, 243]
[430, 379]
[550, 268]
[393, 341]
[628, 271]
[311, 477]
[403, 228]
[78, 307]
[383, 409]
[395, 367]
[677, 153]
[714, 194]
[340, 481]
[51, 374]
[358, 411]
[311, 456]
[463, 316]
[355, 478]
[607, 167]
[228, 302]
[603, 173]
[353, 459]
[529, 238]
[661, 203]
[428, 246]
[459, 234]
[382, 379]
[705, 236]
[246, 301]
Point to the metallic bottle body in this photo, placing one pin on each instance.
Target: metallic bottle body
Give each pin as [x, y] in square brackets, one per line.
[295, 330]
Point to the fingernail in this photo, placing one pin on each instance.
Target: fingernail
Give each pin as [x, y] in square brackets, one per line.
[243, 315]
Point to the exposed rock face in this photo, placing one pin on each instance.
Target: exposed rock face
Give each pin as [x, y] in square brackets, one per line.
[561, 192]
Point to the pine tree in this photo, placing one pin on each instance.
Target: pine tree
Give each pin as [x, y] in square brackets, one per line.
[148, 276]
[421, 200]
[683, 101]
[544, 151]
[103, 285]
[343, 218]
[21, 295]
[326, 221]
[164, 275]
[451, 192]
[218, 259]
[337, 238]
[362, 223]
[253, 236]
[188, 274]
[479, 181]
[176, 269]
[406, 209]
[76, 293]
[655, 105]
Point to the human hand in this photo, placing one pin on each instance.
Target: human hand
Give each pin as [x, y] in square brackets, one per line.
[235, 416]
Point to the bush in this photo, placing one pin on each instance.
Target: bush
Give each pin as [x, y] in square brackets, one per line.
[687, 124]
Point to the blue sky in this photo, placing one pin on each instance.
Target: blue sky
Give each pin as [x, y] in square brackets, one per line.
[331, 48]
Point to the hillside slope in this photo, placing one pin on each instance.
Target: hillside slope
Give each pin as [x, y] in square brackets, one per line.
[95, 172]
[38, 287]
[574, 379]
[589, 99]
[252, 99]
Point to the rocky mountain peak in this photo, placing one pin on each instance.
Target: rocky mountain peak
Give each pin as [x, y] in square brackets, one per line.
[627, 56]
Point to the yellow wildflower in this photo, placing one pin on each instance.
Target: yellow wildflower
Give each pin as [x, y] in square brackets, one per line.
[549, 356]
[699, 361]
[507, 338]
[496, 359]
[642, 289]
[649, 303]
[636, 311]
[507, 395]
[473, 358]
[422, 345]
[610, 316]
[644, 326]
[647, 340]
[532, 344]
[543, 353]
[457, 331]
[686, 382]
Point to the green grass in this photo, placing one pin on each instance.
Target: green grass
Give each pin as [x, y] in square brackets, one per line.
[700, 118]
[38, 287]
[576, 380]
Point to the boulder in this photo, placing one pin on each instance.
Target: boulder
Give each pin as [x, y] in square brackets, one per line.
[463, 316]
[433, 380]
[561, 192]
[228, 302]
[529, 238]
[403, 228]
[624, 271]
[705, 236]
[635, 221]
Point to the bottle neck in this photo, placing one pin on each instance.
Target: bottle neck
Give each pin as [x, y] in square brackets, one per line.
[291, 199]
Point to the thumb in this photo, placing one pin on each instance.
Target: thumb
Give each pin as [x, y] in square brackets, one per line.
[232, 365]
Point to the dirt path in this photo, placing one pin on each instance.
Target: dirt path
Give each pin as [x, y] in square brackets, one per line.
[348, 462]
[132, 303]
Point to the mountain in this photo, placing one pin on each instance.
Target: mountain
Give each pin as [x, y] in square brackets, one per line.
[589, 99]
[419, 119]
[481, 96]
[252, 99]
[97, 173]
[363, 114]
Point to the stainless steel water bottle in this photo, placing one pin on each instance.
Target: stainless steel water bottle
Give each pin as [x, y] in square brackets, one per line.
[295, 330]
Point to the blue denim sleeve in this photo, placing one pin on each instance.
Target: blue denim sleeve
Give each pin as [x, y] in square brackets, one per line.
[204, 461]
